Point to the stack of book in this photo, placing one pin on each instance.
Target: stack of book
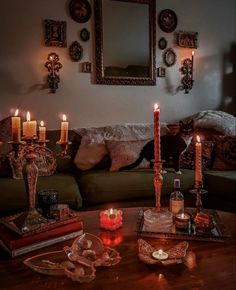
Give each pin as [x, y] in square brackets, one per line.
[17, 243]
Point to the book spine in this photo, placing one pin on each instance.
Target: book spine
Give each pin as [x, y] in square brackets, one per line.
[36, 246]
[53, 233]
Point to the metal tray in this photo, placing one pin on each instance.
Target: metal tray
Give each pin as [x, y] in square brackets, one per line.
[217, 234]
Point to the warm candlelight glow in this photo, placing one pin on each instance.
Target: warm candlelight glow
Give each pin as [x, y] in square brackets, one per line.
[160, 252]
[155, 107]
[42, 131]
[198, 139]
[42, 123]
[182, 215]
[28, 116]
[64, 117]
[16, 112]
[111, 211]
[192, 53]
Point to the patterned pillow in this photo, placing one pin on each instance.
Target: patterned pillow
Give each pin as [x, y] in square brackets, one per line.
[45, 161]
[225, 153]
[187, 159]
[123, 153]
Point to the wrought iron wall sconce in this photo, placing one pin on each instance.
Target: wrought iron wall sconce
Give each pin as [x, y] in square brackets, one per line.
[53, 66]
[187, 71]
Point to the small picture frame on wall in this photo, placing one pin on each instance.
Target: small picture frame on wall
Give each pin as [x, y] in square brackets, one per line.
[84, 34]
[162, 43]
[55, 33]
[87, 67]
[161, 72]
[186, 39]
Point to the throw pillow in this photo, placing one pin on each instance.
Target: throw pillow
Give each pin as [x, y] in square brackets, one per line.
[187, 159]
[89, 153]
[123, 153]
[44, 160]
[225, 153]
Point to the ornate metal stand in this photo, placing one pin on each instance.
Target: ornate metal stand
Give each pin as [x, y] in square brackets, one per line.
[32, 219]
[158, 181]
[187, 71]
[198, 191]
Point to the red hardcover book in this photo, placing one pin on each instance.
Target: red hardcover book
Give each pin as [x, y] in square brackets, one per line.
[17, 245]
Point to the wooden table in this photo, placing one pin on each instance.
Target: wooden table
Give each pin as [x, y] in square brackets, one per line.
[213, 265]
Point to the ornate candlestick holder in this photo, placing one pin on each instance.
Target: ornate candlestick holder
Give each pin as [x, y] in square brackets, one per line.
[158, 181]
[187, 71]
[31, 219]
[198, 191]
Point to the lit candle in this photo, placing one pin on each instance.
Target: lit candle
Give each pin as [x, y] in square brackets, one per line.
[16, 127]
[160, 255]
[182, 220]
[198, 163]
[111, 219]
[29, 127]
[192, 64]
[64, 129]
[157, 135]
[42, 131]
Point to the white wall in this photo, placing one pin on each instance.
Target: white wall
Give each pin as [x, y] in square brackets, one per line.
[23, 75]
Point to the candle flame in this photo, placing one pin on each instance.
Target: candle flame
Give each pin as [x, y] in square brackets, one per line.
[192, 53]
[155, 107]
[198, 139]
[64, 117]
[160, 252]
[28, 116]
[42, 123]
[182, 215]
[111, 211]
[16, 112]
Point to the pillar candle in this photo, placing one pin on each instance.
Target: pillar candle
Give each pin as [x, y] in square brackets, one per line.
[64, 129]
[198, 162]
[42, 131]
[16, 127]
[29, 127]
[157, 134]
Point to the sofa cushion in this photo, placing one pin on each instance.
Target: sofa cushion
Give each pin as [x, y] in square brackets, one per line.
[221, 184]
[14, 198]
[102, 186]
[225, 153]
[123, 153]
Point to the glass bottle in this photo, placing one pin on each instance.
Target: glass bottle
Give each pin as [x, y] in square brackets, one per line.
[176, 198]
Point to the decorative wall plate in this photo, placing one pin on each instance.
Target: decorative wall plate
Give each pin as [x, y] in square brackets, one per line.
[75, 51]
[167, 20]
[84, 34]
[162, 43]
[169, 57]
[80, 10]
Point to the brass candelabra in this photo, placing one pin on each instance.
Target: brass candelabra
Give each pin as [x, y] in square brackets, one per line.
[32, 219]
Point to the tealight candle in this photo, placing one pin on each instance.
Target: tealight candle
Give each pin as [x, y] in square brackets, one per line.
[16, 127]
[160, 255]
[111, 219]
[182, 220]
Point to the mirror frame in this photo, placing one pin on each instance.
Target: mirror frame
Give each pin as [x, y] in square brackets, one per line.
[116, 80]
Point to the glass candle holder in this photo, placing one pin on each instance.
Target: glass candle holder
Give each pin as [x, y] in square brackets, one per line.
[47, 198]
[182, 220]
[111, 219]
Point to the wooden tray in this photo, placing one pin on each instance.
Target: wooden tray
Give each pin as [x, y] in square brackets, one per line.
[217, 234]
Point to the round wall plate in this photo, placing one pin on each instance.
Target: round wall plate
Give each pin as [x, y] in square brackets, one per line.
[167, 20]
[84, 34]
[162, 43]
[80, 10]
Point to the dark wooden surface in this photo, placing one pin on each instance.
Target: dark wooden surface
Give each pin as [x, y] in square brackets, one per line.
[211, 265]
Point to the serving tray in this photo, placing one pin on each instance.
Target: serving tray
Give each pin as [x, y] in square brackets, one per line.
[218, 233]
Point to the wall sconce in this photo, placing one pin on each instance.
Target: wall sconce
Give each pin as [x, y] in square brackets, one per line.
[53, 66]
[187, 71]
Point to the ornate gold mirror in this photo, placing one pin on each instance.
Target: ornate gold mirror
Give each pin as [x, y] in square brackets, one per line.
[125, 39]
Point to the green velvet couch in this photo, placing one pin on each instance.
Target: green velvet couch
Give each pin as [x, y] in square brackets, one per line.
[99, 188]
